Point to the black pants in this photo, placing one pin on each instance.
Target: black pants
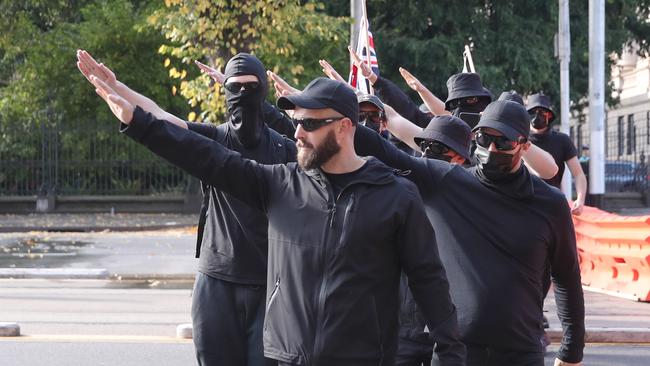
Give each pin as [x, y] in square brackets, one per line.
[227, 321]
[413, 353]
[483, 356]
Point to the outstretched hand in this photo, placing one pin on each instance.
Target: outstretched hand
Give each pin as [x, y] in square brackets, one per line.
[576, 207]
[282, 88]
[215, 74]
[90, 67]
[330, 72]
[411, 80]
[366, 71]
[120, 107]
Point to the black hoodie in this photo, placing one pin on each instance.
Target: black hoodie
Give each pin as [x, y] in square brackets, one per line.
[232, 236]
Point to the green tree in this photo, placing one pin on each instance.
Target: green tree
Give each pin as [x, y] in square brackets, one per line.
[512, 41]
[288, 36]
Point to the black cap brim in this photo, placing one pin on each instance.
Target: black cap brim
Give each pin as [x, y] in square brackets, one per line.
[300, 100]
[506, 130]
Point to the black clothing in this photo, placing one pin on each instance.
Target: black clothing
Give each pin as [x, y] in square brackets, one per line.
[227, 322]
[561, 149]
[246, 106]
[334, 264]
[484, 356]
[340, 181]
[392, 95]
[232, 236]
[496, 253]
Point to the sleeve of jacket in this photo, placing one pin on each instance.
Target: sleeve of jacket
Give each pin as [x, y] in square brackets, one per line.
[565, 273]
[418, 253]
[278, 121]
[369, 143]
[201, 157]
[206, 129]
[392, 95]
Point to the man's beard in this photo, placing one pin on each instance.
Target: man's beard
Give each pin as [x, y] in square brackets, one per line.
[310, 157]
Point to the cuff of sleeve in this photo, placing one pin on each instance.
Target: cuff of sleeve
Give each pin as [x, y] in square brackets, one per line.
[138, 125]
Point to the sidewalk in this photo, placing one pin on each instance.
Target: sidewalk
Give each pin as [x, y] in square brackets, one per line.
[607, 319]
[90, 222]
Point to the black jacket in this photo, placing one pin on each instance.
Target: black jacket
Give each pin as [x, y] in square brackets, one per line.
[232, 236]
[497, 250]
[334, 262]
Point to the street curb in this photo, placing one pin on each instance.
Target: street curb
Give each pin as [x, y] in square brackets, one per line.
[54, 273]
[607, 335]
[90, 229]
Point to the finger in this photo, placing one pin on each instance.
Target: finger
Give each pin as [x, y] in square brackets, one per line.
[356, 59]
[405, 73]
[101, 85]
[84, 71]
[101, 94]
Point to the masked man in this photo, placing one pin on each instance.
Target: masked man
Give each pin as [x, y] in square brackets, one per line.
[229, 291]
[499, 230]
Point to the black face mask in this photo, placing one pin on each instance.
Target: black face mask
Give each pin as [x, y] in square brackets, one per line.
[370, 124]
[538, 121]
[244, 106]
[431, 155]
[494, 171]
[495, 165]
[245, 111]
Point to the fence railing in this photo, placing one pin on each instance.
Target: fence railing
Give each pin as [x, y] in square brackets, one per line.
[81, 159]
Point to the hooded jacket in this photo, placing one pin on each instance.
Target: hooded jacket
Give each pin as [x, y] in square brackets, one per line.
[232, 236]
[334, 262]
[497, 249]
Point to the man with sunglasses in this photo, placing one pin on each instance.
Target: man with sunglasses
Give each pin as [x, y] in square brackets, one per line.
[229, 292]
[341, 229]
[499, 229]
[557, 144]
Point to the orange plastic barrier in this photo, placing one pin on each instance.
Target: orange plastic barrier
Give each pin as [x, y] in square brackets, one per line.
[614, 252]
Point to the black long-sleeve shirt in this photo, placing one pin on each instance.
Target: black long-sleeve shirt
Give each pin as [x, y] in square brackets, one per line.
[496, 250]
[392, 95]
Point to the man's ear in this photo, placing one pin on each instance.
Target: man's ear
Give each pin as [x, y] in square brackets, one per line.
[345, 124]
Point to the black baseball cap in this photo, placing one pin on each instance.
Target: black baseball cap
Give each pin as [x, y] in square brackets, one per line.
[540, 100]
[463, 85]
[512, 96]
[509, 118]
[372, 99]
[324, 93]
[449, 130]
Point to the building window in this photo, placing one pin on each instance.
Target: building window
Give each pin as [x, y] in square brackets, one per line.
[630, 134]
[621, 137]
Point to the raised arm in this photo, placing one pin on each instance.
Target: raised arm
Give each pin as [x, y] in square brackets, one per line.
[540, 162]
[198, 155]
[435, 105]
[90, 67]
[402, 128]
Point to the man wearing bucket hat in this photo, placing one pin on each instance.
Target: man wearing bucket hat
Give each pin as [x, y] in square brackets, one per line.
[445, 138]
[557, 144]
[484, 217]
[512, 96]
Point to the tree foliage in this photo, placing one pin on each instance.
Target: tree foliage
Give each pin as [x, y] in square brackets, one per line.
[288, 36]
[512, 41]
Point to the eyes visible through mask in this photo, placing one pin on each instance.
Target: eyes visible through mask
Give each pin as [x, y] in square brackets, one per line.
[236, 87]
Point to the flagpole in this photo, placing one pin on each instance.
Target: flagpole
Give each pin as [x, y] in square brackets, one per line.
[368, 62]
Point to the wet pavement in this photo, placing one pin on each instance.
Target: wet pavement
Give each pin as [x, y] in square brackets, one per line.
[147, 254]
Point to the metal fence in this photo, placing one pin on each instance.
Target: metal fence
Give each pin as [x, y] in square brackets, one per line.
[627, 143]
[81, 159]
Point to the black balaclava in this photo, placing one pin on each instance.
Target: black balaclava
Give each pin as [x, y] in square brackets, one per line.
[245, 116]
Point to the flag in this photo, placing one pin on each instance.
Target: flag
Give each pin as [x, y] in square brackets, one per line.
[357, 80]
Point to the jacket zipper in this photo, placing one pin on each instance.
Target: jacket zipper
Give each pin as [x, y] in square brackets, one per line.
[273, 294]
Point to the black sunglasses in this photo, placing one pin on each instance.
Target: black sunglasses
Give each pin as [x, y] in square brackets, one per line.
[502, 143]
[463, 101]
[312, 124]
[435, 147]
[235, 87]
[375, 116]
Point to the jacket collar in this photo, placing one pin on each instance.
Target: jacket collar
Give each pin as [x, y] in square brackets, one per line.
[375, 172]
